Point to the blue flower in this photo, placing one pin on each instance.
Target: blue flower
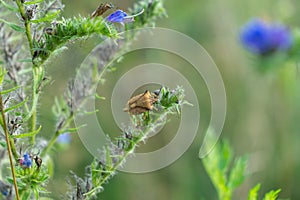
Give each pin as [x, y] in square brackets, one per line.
[120, 16]
[263, 38]
[26, 162]
[64, 138]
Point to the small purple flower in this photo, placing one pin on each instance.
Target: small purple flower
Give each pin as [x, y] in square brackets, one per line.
[64, 138]
[26, 161]
[263, 38]
[120, 16]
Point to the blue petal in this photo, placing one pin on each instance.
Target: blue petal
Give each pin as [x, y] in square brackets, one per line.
[64, 138]
[26, 156]
[117, 16]
[263, 38]
[282, 37]
[255, 36]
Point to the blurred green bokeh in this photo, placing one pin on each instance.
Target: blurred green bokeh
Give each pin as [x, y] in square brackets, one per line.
[262, 116]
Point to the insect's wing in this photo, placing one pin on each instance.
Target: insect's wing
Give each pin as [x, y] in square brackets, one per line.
[102, 8]
[141, 103]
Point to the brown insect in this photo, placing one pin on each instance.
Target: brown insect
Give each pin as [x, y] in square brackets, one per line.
[141, 103]
[102, 8]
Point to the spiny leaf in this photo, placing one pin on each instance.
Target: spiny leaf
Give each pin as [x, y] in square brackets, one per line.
[30, 134]
[33, 2]
[13, 26]
[47, 18]
[16, 106]
[10, 90]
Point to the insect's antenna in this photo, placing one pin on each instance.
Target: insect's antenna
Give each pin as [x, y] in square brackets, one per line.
[157, 92]
[20, 150]
[137, 14]
[35, 154]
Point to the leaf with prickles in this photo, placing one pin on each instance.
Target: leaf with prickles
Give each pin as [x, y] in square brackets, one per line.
[16, 106]
[13, 26]
[10, 90]
[30, 134]
[33, 2]
[47, 18]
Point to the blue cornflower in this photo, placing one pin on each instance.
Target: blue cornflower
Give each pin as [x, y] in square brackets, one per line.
[64, 138]
[26, 162]
[264, 38]
[121, 17]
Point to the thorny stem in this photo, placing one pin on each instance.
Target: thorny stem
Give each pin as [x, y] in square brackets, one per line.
[9, 149]
[127, 153]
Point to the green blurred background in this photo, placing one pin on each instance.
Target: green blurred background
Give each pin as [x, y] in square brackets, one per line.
[262, 116]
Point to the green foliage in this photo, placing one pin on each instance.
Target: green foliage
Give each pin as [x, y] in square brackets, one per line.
[227, 176]
[272, 195]
[48, 17]
[31, 181]
[253, 193]
[47, 35]
[33, 2]
[30, 134]
[67, 30]
[237, 174]
[13, 26]
[218, 166]
[167, 98]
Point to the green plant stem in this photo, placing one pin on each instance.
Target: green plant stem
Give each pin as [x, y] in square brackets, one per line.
[127, 153]
[37, 76]
[26, 24]
[9, 149]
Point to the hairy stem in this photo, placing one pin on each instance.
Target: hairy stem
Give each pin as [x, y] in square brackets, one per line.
[142, 137]
[26, 24]
[9, 149]
[37, 71]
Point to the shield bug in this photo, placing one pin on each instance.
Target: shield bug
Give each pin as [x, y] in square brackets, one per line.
[141, 103]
